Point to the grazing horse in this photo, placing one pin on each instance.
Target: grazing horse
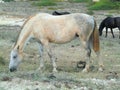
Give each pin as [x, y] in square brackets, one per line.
[60, 13]
[110, 22]
[47, 28]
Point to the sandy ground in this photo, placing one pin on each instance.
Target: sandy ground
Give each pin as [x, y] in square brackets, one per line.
[15, 13]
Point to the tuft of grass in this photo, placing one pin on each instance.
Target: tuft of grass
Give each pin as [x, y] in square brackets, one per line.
[90, 12]
[109, 44]
[105, 5]
[8, 0]
[78, 1]
[109, 15]
[1, 88]
[52, 8]
[10, 34]
[45, 3]
[2, 61]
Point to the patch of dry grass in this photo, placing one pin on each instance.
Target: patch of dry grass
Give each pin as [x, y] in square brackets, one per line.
[68, 75]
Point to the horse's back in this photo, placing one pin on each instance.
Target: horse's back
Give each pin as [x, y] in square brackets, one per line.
[65, 27]
[77, 21]
[109, 22]
[78, 18]
[85, 22]
[117, 21]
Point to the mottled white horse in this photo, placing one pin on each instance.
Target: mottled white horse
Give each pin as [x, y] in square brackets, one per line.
[47, 29]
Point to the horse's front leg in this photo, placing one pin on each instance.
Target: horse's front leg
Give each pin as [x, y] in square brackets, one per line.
[51, 55]
[112, 33]
[41, 57]
[106, 32]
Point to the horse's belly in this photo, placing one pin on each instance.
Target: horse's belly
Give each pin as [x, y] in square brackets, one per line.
[62, 37]
[61, 41]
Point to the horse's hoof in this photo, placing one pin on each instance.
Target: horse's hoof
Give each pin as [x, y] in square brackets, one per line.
[55, 71]
[85, 70]
[81, 64]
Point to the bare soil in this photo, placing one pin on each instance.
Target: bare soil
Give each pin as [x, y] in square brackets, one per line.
[12, 16]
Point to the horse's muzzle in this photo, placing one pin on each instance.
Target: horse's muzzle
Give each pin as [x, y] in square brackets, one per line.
[100, 34]
[13, 69]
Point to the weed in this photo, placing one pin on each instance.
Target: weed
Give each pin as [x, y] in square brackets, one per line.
[45, 3]
[2, 61]
[109, 15]
[90, 12]
[105, 5]
[8, 34]
[78, 1]
[1, 88]
[7, 0]
[52, 8]
[109, 44]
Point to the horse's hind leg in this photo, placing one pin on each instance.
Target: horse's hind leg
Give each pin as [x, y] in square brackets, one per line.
[52, 58]
[88, 54]
[100, 61]
[112, 33]
[119, 31]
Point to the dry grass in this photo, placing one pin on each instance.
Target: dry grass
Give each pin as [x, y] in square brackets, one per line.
[68, 77]
[67, 55]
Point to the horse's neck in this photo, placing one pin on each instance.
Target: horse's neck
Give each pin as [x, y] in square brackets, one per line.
[102, 25]
[24, 36]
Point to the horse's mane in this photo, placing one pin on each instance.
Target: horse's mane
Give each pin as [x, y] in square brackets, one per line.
[22, 28]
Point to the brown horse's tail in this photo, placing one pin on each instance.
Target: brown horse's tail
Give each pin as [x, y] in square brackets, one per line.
[96, 42]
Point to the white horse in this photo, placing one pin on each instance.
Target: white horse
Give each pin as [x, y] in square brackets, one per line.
[47, 29]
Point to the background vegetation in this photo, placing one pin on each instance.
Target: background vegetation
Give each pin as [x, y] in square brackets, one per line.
[69, 77]
[45, 3]
[105, 5]
[102, 5]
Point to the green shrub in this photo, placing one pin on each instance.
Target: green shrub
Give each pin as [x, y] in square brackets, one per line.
[90, 12]
[2, 60]
[78, 1]
[7, 0]
[45, 3]
[105, 5]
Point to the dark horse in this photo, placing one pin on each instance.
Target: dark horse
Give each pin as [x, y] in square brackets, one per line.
[59, 13]
[110, 22]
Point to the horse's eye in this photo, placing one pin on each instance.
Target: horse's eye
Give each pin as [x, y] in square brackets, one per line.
[15, 56]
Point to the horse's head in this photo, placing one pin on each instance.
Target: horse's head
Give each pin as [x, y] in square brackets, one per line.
[101, 29]
[15, 59]
[100, 32]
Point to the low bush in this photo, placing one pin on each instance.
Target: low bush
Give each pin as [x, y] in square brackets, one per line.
[7, 0]
[2, 61]
[78, 1]
[45, 3]
[105, 5]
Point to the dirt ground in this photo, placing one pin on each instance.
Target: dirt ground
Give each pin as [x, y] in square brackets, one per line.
[13, 15]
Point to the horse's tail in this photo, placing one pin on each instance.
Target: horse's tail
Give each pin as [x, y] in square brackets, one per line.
[96, 42]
